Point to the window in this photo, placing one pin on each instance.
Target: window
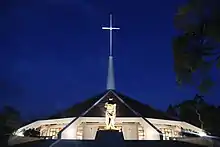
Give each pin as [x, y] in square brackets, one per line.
[140, 133]
[167, 133]
[44, 132]
[53, 132]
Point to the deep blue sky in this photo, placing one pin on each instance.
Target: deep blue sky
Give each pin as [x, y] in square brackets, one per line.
[53, 53]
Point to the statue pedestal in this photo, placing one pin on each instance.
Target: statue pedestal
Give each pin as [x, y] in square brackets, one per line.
[109, 138]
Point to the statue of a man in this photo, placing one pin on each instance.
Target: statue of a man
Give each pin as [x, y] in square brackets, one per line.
[110, 114]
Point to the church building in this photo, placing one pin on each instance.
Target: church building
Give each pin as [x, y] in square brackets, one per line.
[112, 110]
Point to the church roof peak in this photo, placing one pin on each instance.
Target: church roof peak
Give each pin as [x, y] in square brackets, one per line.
[126, 107]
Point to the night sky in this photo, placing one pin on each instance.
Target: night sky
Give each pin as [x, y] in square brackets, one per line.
[53, 53]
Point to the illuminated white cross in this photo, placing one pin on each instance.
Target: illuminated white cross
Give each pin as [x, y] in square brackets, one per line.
[110, 28]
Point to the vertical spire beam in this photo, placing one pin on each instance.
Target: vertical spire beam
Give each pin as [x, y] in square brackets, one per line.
[110, 78]
[110, 38]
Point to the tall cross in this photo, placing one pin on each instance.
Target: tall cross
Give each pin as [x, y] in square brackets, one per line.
[110, 37]
[110, 78]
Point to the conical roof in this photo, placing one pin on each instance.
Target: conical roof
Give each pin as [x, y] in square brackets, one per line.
[126, 107]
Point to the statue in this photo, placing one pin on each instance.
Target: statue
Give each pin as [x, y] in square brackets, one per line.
[110, 114]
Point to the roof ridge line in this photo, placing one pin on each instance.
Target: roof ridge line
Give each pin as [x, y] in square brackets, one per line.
[137, 113]
[82, 114]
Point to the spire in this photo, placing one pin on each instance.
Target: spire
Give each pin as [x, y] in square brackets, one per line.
[110, 78]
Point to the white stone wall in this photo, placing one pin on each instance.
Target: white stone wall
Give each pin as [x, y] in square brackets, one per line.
[130, 131]
[185, 125]
[189, 126]
[19, 132]
[89, 132]
[149, 132]
[70, 131]
[39, 123]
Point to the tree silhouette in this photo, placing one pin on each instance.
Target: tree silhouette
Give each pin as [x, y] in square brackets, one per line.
[10, 120]
[171, 110]
[198, 112]
[32, 133]
[196, 48]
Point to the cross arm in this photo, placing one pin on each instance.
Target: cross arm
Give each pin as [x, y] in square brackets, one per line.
[110, 28]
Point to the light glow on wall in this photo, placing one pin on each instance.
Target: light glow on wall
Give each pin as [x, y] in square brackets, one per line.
[202, 134]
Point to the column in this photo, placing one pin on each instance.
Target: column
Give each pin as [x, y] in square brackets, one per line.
[130, 131]
[89, 132]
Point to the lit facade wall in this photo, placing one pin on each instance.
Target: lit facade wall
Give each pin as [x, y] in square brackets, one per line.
[86, 127]
[44, 124]
[70, 131]
[130, 131]
[89, 132]
[171, 128]
[149, 132]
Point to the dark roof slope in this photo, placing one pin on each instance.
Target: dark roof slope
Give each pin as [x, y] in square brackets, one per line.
[122, 109]
[144, 109]
[78, 109]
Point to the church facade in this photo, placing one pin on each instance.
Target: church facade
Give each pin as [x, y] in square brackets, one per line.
[136, 121]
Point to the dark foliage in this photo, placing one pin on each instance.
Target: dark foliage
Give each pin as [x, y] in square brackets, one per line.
[32, 133]
[196, 48]
[199, 113]
[9, 120]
